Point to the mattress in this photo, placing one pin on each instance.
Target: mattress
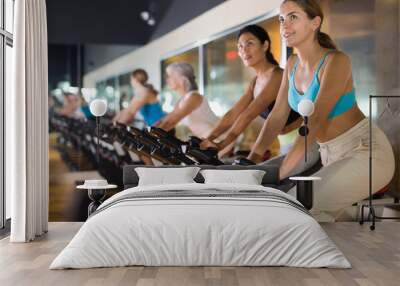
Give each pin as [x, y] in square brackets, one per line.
[201, 225]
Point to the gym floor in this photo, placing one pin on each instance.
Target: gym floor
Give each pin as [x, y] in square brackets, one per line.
[374, 255]
[66, 203]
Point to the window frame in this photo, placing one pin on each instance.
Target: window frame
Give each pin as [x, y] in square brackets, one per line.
[201, 44]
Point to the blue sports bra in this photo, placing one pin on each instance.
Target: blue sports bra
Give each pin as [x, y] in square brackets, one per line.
[152, 112]
[345, 102]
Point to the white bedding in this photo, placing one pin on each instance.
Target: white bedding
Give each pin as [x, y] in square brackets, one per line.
[181, 231]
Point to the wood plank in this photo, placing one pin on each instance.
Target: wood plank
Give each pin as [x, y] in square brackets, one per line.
[375, 257]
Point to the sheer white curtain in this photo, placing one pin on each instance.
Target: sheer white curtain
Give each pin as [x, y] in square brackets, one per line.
[27, 124]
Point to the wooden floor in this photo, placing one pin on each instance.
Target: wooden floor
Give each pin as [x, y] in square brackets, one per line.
[64, 200]
[66, 203]
[374, 255]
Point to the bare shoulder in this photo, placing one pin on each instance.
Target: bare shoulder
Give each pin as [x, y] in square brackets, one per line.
[337, 65]
[150, 90]
[150, 94]
[195, 94]
[194, 97]
[338, 60]
[277, 73]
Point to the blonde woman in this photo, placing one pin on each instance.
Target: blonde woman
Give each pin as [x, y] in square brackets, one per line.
[144, 101]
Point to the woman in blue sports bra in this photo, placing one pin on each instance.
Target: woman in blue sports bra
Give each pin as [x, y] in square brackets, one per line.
[145, 101]
[323, 75]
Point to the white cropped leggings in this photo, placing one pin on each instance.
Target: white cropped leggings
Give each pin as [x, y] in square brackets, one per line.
[312, 159]
[345, 171]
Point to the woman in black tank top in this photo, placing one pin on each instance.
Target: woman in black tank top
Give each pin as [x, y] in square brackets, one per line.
[254, 47]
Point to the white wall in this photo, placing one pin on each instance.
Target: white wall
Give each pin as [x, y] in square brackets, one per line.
[227, 15]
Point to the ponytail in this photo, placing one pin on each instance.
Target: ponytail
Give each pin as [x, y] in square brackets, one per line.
[190, 84]
[325, 40]
[270, 57]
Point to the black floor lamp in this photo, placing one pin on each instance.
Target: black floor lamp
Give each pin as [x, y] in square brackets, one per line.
[370, 205]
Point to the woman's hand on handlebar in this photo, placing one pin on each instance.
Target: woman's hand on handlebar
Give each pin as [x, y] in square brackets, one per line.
[243, 161]
[157, 123]
[205, 144]
[256, 158]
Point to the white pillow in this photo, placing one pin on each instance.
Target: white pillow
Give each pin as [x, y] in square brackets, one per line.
[163, 176]
[248, 177]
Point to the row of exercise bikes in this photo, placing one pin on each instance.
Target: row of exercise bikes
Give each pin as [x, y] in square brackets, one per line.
[121, 145]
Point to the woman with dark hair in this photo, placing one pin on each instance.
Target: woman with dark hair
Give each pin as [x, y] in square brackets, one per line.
[144, 100]
[321, 73]
[254, 47]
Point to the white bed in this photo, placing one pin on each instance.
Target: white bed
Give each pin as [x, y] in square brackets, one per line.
[201, 224]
